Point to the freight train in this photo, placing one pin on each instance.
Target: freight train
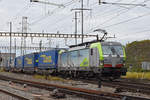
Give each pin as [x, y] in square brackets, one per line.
[96, 59]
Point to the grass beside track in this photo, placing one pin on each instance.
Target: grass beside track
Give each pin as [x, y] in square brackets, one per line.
[49, 78]
[137, 75]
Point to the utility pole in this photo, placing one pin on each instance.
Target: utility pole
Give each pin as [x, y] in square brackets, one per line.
[24, 30]
[76, 26]
[10, 43]
[21, 46]
[15, 45]
[40, 45]
[82, 18]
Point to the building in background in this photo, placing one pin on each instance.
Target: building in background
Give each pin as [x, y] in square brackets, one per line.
[146, 65]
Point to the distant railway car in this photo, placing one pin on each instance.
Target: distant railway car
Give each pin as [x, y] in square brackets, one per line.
[95, 59]
[48, 60]
[19, 63]
[30, 62]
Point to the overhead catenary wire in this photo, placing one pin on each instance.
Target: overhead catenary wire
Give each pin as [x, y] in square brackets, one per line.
[107, 12]
[135, 33]
[53, 12]
[103, 11]
[59, 20]
[115, 17]
[25, 8]
[125, 21]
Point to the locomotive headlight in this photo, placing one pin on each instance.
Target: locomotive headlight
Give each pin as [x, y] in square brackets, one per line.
[101, 63]
[123, 63]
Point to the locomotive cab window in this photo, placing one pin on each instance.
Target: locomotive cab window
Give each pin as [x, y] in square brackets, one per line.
[112, 50]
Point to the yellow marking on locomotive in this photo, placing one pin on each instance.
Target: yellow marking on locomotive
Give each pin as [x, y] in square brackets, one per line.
[85, 63]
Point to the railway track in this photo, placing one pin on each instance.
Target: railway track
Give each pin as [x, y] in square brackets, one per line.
[130, 86]
[122, 85]
[85, 93]
[13, 95]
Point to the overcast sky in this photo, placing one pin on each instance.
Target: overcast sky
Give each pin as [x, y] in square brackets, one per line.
[128, 23]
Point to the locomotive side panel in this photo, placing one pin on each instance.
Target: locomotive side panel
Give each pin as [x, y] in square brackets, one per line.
[63, 61]
[74, 60]
[84, 57]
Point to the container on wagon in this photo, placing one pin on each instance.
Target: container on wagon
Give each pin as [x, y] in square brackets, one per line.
[19, 63]
[30, 61]
[48, 59]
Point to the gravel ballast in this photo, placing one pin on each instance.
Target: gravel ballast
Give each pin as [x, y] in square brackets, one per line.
[72, 83]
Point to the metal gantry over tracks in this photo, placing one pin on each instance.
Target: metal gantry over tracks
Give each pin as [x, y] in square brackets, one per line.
[28, 48]
[46, 35]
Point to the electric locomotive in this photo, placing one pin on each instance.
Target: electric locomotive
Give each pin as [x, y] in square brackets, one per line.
[101, 59]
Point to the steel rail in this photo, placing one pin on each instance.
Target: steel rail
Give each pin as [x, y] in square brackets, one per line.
[129, 87]
[14, 95]
[123, 85]
[86, 93]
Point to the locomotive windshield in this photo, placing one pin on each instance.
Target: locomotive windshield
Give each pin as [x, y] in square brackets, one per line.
[113, 50]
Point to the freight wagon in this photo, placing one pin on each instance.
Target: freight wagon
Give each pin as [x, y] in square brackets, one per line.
[48, 61]
[18, 63]
[38, 62]
[30, 62]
